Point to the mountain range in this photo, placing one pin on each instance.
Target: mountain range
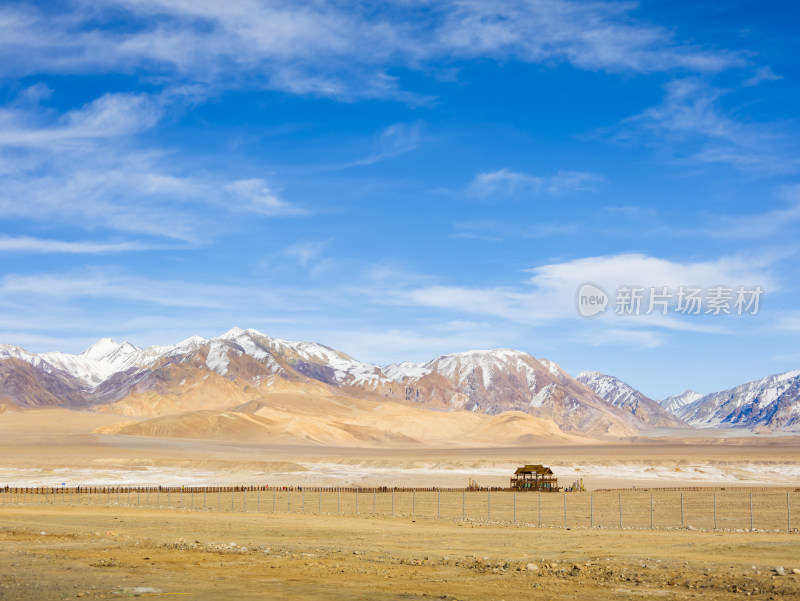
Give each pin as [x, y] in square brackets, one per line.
[244, 380]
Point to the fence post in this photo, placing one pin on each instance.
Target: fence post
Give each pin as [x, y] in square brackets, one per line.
[788, 514]
[715, 511]
[591, 511]
[651, 511]
[620, 511]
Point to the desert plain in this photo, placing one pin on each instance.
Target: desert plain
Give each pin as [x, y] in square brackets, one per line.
[59, 550]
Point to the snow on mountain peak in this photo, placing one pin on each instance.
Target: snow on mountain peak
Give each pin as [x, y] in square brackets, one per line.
[105, 347]
[459, 366]
[407, 369]
[678, 401]
[234, 332]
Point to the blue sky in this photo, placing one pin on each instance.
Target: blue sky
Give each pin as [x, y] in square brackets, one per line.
[404, 179]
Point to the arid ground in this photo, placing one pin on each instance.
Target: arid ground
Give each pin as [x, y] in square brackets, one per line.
[58, 551]
[106, 553]
[55, 446]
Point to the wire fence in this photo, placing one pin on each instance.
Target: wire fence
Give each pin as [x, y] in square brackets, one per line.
[729, 509]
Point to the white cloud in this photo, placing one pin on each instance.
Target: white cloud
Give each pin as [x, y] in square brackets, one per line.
[588, 35]
[761, 75]
[336, 50]
[102, 284]
[27, 244]
[67, 171]
[548, 296]
[255, 195]
[392, 141]
[304, 252]
[505, 182]
[619, 336]
[111, 115]
[693, 125]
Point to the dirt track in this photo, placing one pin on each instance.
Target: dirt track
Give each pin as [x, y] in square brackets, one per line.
[103, 553]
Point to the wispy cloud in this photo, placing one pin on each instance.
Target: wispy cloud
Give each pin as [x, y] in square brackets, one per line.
[27, 244]
[506, 183]
[692, 123]
[496, 231]
[588, 35]
[80, 168]
[255, 195]
[761, 75]
[393, 140]
[109, 116]
[548, 296]
[318, 49]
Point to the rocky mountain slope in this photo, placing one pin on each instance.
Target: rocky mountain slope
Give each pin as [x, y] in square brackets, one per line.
[772, 402]
[506, 380]
[619, 394]
[674, 403]
[245, 365]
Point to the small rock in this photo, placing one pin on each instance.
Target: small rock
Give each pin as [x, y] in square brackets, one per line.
[779, 571]
[531, 567]
[43, 533]
[795, 570]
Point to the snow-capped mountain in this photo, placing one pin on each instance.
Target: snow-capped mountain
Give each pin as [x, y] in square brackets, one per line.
[622, 395]
[97, 363]
[674, 403]
[773, 402]
[494, 381]
[121, 377]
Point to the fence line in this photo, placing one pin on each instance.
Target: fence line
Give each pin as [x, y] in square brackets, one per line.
[707, 509]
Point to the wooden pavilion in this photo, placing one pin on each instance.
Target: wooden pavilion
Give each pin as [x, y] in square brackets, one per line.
[535, 478]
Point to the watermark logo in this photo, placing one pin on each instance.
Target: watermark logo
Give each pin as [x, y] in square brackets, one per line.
[591, 300]
[684, 300]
